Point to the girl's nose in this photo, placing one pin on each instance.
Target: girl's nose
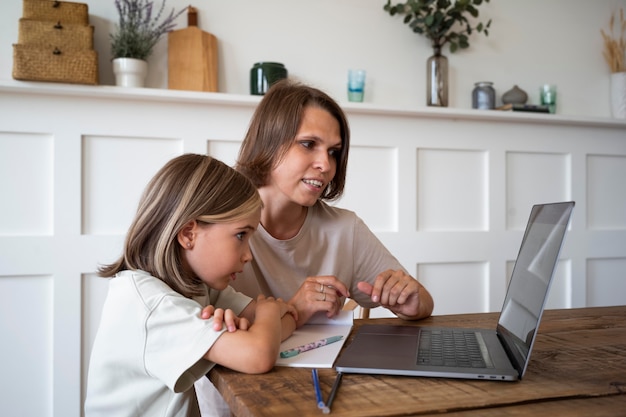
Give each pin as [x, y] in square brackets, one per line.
[247, 255]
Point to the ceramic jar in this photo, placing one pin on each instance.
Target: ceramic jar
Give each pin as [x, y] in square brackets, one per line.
[515, 96]
[264, 74]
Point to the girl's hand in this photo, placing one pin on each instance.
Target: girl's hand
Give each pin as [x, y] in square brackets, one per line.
[286, 308]
[221, 317]
[321, 293]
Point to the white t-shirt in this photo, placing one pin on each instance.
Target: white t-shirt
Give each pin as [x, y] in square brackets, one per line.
[332, 241]
[149, 348]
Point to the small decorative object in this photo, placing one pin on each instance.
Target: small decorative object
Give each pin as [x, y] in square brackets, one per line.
[615, 56]
[130, 72]
[515, 96]
[437, 79]
[547, 96]
[436, 20]
[264, 74]
[55, 44]
[138, 31]
[192, 57]
[484, 96]
[356, 84]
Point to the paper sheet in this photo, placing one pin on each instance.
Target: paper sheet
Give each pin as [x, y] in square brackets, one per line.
[319, 327]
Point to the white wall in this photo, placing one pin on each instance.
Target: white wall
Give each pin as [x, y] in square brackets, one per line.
[448, 193]
[531, 42]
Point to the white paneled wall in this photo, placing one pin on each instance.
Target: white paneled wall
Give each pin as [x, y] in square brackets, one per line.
[448, 191]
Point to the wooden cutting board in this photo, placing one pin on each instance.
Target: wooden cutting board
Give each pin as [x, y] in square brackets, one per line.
[192, 57]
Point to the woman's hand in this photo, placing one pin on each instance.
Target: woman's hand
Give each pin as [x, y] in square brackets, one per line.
[221, 317]
[400, 293]
[321, 293]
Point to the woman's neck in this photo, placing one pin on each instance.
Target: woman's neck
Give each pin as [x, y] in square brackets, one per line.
[282, 220]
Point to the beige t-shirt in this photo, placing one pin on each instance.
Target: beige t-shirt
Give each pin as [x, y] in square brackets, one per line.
[332, 241]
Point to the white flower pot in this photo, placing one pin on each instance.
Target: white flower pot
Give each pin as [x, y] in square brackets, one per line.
[618, 95]
[130, 72]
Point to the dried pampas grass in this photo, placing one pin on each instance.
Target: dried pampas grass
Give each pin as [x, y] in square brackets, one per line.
[615, 47]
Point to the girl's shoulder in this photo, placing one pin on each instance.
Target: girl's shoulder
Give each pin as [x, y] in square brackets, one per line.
[147, 287]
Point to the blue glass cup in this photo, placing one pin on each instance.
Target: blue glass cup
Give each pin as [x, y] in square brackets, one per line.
[356, 85]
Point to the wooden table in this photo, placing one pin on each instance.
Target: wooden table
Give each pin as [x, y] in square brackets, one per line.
[577, 368]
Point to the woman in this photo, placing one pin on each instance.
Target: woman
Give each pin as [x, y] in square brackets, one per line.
[305, 251]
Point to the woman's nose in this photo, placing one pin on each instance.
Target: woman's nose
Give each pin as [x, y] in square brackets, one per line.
[323, 161]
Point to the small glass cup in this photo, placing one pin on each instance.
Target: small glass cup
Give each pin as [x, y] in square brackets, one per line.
[356, 85]
[547, 96]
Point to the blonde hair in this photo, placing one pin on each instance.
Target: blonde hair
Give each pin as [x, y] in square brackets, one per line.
[189, 187]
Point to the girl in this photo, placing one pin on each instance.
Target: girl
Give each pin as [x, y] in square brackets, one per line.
[305, 251]
[189, 238]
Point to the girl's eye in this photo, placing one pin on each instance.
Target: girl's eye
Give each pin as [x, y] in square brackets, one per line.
[241, 235]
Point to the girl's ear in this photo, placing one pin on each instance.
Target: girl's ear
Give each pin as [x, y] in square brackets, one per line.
[186, 235]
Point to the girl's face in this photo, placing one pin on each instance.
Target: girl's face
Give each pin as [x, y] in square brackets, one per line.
[216, 252]
[311, 161]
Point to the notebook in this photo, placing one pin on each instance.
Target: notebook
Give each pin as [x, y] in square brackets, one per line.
[500, 354]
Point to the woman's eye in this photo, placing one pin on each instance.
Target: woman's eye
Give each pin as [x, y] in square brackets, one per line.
[307, 144]
[241, 235]
[334, 153]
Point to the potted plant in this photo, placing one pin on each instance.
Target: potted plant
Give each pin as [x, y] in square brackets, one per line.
[615, 55]
[135, 36]
[441, 21]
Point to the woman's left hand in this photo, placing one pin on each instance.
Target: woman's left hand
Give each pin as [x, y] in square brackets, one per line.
[400, 293]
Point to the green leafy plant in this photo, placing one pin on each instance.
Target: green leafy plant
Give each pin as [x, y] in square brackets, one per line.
[441, 21]
[138, 30]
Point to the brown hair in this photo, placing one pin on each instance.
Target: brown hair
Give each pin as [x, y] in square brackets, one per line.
[189, 187]
[274, 126]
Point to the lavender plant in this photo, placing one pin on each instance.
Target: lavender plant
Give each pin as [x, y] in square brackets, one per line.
[138, 31]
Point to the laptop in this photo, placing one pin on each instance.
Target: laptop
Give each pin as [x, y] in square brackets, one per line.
[500, 354]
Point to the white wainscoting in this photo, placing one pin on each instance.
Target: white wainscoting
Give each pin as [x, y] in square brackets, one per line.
[447, 190]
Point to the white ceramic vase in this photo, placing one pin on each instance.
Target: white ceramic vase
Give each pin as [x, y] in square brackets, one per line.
[130, 72]
[618, 95]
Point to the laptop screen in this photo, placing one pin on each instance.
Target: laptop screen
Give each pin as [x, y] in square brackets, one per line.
[530, 281]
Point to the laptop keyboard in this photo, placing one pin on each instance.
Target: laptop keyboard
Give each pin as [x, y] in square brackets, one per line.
[455, 348]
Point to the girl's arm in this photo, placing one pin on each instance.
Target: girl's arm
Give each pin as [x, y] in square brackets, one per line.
[255, 350]
[288, 321]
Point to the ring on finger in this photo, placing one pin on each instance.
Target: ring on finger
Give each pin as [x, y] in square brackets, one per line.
[322, 288]
[324, 299]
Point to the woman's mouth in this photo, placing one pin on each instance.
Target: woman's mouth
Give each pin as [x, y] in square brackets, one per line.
[314, 183]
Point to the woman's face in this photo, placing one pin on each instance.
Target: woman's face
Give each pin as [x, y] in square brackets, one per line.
[218, 251]
[311, 161]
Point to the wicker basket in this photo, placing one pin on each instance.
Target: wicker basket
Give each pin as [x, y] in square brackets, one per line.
[56, 11]
[64, 36]
[35, 63]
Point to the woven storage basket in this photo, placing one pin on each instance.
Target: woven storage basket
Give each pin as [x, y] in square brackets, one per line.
[35, 63]
[65, 36]
[56, 11]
